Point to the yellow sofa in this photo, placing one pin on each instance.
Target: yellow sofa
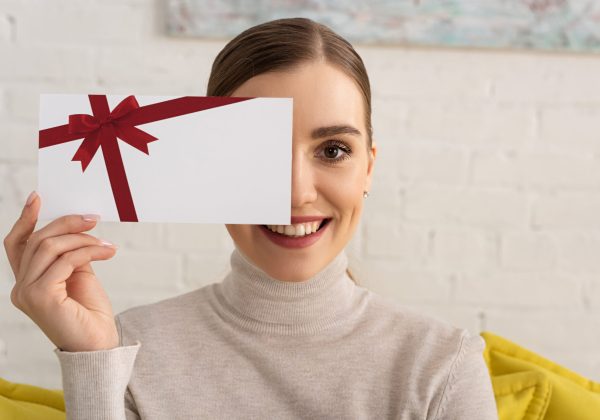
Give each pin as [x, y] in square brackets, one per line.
[29, 402]
[526, 386]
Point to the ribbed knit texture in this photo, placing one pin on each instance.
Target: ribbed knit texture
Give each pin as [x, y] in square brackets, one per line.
[254, 347]
[266, 305]
[98, 379]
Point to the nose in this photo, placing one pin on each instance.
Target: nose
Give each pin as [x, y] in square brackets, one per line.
[303, 185]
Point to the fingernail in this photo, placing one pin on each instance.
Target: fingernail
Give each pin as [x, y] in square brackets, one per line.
[90, 217]
[31, 197]
[106, 243]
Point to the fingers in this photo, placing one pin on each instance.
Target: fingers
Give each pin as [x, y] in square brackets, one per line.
[73, 223]
[63, 267]
[51, 248]
[15, 241]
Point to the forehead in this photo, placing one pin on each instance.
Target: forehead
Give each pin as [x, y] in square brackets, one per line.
[323, 95]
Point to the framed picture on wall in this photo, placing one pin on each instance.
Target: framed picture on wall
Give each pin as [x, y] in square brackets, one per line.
[567, 25]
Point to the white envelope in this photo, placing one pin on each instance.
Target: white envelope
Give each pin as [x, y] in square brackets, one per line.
[227, 164]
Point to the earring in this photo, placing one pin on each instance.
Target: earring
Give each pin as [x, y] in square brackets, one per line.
[365, 194]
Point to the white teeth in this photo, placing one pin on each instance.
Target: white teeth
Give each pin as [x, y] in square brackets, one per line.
[299, 229]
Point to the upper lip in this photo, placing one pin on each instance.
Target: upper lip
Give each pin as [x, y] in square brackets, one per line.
[304, 219]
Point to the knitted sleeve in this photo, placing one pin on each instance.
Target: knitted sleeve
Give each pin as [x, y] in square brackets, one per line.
[468, 392]
[95, 382]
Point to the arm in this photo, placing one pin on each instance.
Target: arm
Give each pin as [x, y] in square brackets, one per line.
[468, 392]
[95, 382]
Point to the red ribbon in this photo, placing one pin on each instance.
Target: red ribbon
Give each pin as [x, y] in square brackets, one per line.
[102, 129]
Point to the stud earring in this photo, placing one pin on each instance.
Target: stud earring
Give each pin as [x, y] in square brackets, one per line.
[365, 194]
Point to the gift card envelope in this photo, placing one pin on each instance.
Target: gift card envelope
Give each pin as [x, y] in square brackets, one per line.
[166, 158]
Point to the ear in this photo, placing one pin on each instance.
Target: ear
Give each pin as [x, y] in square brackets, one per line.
[372, 155]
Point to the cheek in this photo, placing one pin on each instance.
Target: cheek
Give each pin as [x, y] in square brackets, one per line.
[343, 189]
[240, 233]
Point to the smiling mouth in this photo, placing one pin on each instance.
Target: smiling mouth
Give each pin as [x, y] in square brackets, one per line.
[323, 224]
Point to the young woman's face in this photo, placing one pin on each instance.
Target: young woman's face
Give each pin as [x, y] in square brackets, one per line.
[331, 167]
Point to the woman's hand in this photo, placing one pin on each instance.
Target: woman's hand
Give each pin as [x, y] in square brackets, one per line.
[55, 284]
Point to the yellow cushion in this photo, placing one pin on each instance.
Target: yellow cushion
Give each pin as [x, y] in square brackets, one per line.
[522, 395]
[29, 402]
[528, 386]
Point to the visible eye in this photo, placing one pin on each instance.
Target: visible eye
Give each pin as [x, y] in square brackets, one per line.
[330, 151]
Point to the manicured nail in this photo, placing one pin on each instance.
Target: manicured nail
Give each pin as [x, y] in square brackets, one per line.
[90, 217]
[31, 197]
[106, 243]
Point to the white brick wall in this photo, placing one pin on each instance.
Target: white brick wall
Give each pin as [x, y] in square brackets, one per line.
[485, 207]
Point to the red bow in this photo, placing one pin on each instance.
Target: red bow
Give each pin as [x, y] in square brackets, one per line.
[104, 127]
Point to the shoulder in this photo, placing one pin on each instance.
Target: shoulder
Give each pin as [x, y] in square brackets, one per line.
[431, 343]
[416, 328]
[165, 316]
[441, 364]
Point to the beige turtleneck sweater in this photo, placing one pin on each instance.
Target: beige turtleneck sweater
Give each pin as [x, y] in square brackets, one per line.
[254, 347]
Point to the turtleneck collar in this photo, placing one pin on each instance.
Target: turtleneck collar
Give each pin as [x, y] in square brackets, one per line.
[268, 305]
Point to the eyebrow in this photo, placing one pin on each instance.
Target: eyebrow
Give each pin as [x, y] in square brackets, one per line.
[332, 130]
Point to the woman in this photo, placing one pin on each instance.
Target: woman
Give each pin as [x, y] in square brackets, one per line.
[287, 333]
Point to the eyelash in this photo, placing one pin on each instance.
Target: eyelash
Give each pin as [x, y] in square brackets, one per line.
[340, 145]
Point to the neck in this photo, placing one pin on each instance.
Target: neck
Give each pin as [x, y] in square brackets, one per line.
[264, 303]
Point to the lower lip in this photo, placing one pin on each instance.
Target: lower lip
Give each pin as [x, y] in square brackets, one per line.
[293, 242]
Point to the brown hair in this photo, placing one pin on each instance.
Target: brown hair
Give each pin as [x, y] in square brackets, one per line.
[282, 44]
